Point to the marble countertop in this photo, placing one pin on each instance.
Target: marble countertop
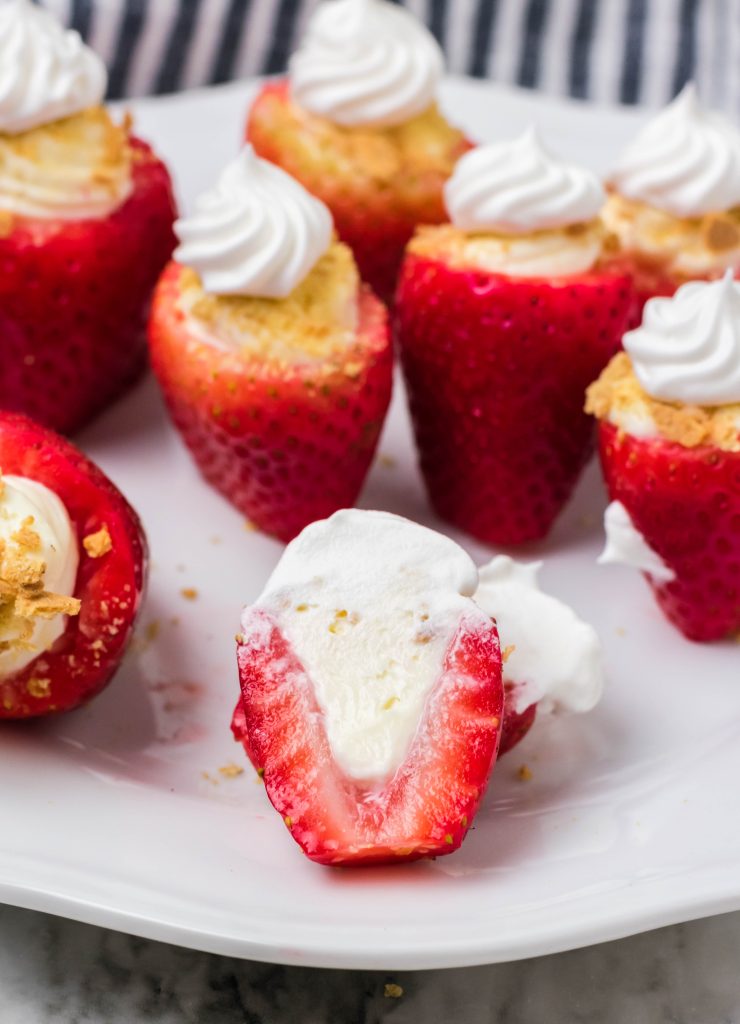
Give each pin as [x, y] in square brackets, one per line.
[59, 971]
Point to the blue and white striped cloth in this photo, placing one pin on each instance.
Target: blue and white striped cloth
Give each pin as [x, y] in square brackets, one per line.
[612, 51]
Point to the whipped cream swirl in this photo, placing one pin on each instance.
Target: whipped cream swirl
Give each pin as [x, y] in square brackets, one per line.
[365, 62]
[555, 658]
[25, 503]
[688, 347]
[258, 232]
[46, 71]
[685, 161]
[517, 187]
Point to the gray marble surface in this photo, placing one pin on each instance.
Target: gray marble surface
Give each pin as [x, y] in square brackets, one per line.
[66, 973]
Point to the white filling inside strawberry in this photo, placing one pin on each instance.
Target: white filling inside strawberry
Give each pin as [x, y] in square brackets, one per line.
[38, 570]
[554, 659]
[369, 603]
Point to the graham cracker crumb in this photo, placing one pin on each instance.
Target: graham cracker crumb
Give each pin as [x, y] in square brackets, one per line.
[22, 594]
[392, 991]
[387, 461]
[507, 652]
[99, 543]
[38, 687]
[720, 232]
[189, 593]
[618, 390]
[250, 527]
[524, 774]
[231, 770]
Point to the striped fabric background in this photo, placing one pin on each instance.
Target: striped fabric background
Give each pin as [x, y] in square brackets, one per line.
[628, 51]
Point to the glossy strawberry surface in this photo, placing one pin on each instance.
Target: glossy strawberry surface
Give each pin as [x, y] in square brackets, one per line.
[74, 299]
[428, 805]
[496, 371]
[686, 504]
[110, 587]
[285, 444]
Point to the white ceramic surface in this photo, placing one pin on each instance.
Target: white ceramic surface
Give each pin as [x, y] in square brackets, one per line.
[118, 815]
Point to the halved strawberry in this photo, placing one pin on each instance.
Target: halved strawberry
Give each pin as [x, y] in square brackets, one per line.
[429, 804]
[286, 443]
[686, 504]
[74, 298]
[378, 184]
[371, 690]
[496, 370]
[110, 577]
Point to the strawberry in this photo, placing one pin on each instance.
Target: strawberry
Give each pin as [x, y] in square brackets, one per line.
[286, 443]
[496, 369]
[427, 807]
[686, 504]
[515, 725]
[74, 297]
[110, 577]
[379, 185]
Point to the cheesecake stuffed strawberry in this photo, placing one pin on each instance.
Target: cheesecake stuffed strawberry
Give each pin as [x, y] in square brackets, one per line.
[674, 199]
[503, 318]
[669, 412]
[371, 690]
[273, 358]
[72, 572]
[86, 214]
[357, 122]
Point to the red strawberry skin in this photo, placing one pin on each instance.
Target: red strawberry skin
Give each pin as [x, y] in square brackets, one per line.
[74, 298]
[376, 222]
[110, 587]
[496, 369]
[286, 445]
[429, 804]
[516, 723]
[686, 504]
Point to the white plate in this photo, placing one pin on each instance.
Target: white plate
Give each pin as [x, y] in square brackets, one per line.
[118, 815]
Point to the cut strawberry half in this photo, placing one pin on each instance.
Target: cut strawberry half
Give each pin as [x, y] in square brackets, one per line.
[110, 576]
[286, 443]
[685, 502]
[358, 777]
[378, 184]
[496, 371]
[74, 298]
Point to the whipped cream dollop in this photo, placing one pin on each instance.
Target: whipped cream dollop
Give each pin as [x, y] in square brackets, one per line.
[625, 545]
[46, 72]
[685, 161]
[517, 187]
[370, 603]
[257, 232]
[555, 658]
[688, 346]
[365, 63]
[28, 505]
